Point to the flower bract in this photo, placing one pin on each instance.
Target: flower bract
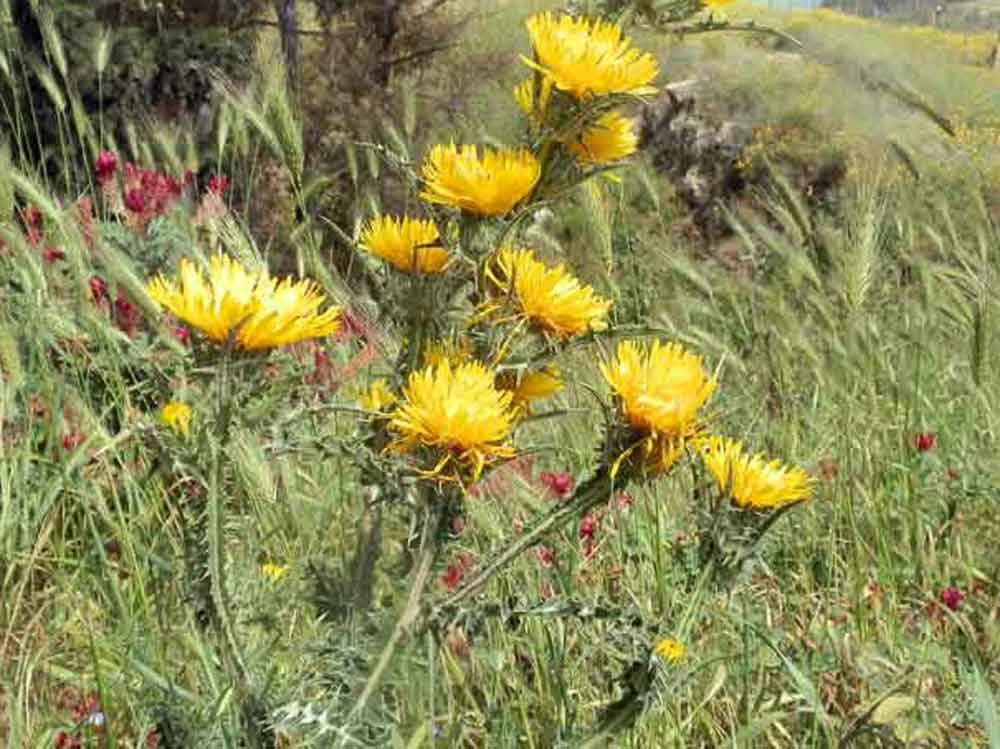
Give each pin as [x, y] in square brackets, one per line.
[487, 184]
[753, 482]
[457, 412]
[588, 58]
[409, 244]
[551, 298]
[260, 312]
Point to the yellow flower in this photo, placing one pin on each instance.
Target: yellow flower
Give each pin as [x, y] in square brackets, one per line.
[611, 139]
[408, 243]
[534, 107]
[533, 386]
[264, 312]
[588, 58]
[550, 298]
[753, 482]
[456, 351]
[716, 3]
[487, 185]
[177, 416]
[670, 650]
[458, 412]
[273, 571]
[377, 397]
[661, 389]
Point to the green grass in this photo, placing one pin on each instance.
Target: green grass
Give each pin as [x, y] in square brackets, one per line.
[843, 332]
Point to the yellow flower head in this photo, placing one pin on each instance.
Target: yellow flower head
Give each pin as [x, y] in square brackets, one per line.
[661, 388]
[487, 185]
[272, 571]
[264, 312]
[588, 58]
[713, 4]
[670, 650]
[753, 482]
[408, 243]
[456, 351]
[177, 416]
[457, 411]
[534, 107]
[532, 386]
[377, 397]
[611, 139]
[550, 298]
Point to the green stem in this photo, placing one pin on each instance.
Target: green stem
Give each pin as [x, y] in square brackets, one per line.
[587, 496]
[425, 562]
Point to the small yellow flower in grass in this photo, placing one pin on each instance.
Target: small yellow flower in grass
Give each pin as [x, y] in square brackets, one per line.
[264, 312]
[713, 4]
[550, 298]
[274, 572]
[588, 58]
[177, 416]
[670, 650]
[456, 411]
[409, 244]
[611, 139]
[377, 397]
[753, 482]
[661, 389]
[490, 184]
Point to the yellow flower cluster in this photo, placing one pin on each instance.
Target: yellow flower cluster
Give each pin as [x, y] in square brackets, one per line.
[457, 410]
[487, 184]
[752, 482]
[260, 312]
[670, 650]
[409, 244]
[550, 298]
[177, 416]
[588, 58]
[611, 139]
[661, 390]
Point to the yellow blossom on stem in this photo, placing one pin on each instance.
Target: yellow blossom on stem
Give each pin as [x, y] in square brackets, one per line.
[377, 397]
[274, 572]
[409, 244]
[455, 351]
[457, 412]
[588, 58]
[532, 102]
[487, 184]
[670, 650]
[550, 298]
[752, 482]
[263, 312]
[177, 416]
[612, 138]
[661, 389]
[532, 386]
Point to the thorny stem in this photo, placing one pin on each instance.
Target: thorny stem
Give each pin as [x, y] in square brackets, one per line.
[590, 494]
[425, 561]
[216, 548]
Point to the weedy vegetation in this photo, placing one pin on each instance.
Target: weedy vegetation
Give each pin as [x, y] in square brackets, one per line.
[600, 374]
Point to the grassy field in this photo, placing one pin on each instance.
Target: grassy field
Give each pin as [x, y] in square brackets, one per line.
[235, 587]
